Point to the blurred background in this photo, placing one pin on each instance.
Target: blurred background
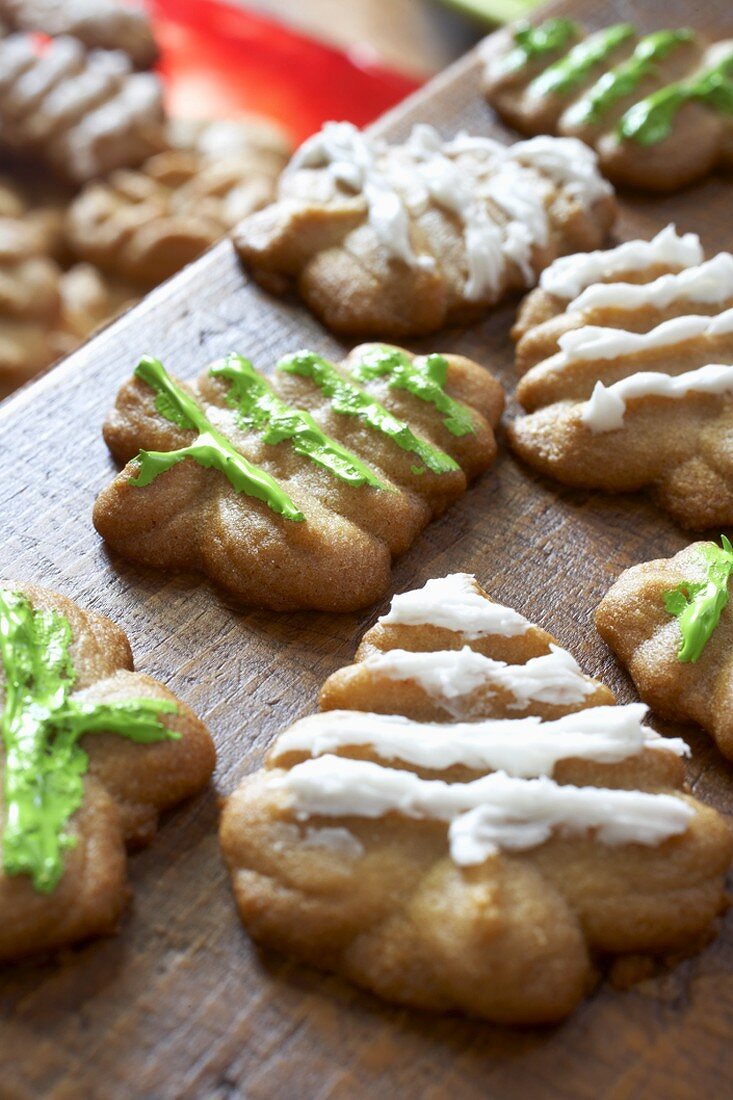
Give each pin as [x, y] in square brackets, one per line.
[134, 135]
[417, 37]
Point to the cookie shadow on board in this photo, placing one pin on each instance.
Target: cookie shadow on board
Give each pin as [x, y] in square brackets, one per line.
[329, 993]
[312, 632]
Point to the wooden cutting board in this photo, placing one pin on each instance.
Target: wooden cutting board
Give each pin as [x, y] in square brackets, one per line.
[180, 1004]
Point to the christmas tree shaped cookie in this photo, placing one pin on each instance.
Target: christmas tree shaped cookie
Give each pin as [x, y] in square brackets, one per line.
[626, 360]
[92, 753]
[656, 107]
[295, 490]
[670, 623]
[398, 240]
[484, 861]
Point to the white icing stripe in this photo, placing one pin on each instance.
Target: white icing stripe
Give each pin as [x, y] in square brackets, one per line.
[524, 814]
[596, 342]
[522, 747]
[492, 813]
[605, 410]
[449, 675]
[454, 603]
[465, 176]
[570, 275]
[710, 283]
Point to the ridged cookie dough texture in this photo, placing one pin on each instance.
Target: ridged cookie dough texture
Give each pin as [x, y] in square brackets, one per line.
[398, 853]
[143, 225]
[82, 113]
[626, 364]
[99, 24]
[338, 555]
[632, 618]
[125, 789]
[395, 240]
[45, 310]
[657, 108]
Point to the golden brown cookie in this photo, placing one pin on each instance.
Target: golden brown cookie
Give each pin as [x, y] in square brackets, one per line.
[99, 24]
[652, 106]
[485, 866]
[45, 312]
[83, 114]
[402, 239]
[670, 623]
[145, 225]
[30, 300]
[627, 375]
[93, 753]
[317, 476]
[89, 300]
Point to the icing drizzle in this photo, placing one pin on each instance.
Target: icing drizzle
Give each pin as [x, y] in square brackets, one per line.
[521, 747]
[698, 604]
[710, 282]
[651, 120]
[569, 275]
[452, 675]
[424, 377]
[350, 400]
[605, 410]
[531, 43]
[566, 74]
[518, 805]
[210, 448]
[596, 342]
[626, 77]
[496, 812]
[499, 194]
[455, 603]
[648, 121]
[258, 407]
[43, 783]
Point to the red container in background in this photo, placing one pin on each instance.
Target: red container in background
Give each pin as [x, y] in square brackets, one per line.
[219, 61]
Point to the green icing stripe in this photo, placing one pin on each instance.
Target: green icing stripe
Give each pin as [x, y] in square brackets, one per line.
[651, 119]
[625, 78]
[531, 43]
[210, 449]
[260, 409]
[698, 605]
[424, 378]
[41, 728]
[564, 75]
[350, 400]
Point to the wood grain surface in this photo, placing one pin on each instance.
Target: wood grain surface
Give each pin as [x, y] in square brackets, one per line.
[179, 1004]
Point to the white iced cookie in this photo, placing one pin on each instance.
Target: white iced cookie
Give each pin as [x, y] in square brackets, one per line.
[481, 863]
